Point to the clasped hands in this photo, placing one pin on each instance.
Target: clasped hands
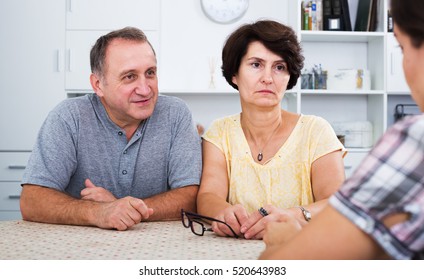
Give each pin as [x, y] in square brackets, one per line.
[120, 214]
[254, 225]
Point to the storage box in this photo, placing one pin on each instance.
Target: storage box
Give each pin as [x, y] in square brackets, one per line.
[357, 134]
[348, 79]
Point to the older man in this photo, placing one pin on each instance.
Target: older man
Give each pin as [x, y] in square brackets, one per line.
[117, 157]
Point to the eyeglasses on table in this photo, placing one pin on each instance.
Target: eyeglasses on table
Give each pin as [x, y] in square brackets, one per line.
[194, 221]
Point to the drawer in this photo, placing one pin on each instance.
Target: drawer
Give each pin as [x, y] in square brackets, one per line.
[10, 193]
[352, 161]
[10, 215]
[12, 165]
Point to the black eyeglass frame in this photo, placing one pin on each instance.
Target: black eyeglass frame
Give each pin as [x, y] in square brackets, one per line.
[194, 217]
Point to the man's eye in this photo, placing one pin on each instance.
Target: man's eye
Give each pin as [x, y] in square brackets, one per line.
[130, 77]
[151, 73]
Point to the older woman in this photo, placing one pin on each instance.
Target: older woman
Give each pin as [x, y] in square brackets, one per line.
[266, 163]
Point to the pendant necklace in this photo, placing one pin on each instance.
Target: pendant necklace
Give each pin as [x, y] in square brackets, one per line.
[260, 154]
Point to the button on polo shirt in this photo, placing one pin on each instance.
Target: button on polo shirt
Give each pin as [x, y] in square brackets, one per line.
[128, 157]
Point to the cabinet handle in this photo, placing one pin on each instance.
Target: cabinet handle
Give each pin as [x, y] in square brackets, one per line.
[59, 60]
[348, 167]
[14, 196]
[71, 6]
[69, 61]
[392, 61]
[16, 166]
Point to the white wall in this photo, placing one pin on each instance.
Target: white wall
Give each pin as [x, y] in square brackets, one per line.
[189, 40]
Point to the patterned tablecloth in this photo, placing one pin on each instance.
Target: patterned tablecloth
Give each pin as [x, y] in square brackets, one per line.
[21, 240]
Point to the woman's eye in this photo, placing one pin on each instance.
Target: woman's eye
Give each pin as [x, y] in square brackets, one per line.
[281, 67]
[255, 64]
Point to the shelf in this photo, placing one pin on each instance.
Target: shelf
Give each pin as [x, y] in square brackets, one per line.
[339, 36]
[358, 150]
[180, 92]
[340, 92]
[204, 92]
[398, 93]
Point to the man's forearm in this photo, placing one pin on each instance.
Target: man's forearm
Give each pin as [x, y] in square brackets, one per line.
[41, 204]
[167, 206]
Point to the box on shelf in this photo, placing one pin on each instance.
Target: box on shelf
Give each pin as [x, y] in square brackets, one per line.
[349, 79]
[357, 134]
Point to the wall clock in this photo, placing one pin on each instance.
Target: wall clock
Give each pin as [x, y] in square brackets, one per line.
[224, 11]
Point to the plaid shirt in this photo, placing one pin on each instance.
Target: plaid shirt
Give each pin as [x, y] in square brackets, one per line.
[390, 180]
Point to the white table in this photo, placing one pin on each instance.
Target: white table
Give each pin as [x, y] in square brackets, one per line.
[22, 240]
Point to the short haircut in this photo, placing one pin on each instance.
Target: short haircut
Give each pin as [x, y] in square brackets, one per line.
[278, 38]
[98, 51]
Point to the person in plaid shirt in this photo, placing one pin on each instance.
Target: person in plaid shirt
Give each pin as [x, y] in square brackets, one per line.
[379, 212]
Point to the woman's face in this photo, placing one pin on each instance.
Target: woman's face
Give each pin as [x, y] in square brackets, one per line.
[413, 65]
[262, 77]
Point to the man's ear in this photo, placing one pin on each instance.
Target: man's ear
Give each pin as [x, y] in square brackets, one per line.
[95, 84]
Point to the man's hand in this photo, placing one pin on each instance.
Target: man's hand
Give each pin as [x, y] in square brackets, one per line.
[95, 193]
[122, 214]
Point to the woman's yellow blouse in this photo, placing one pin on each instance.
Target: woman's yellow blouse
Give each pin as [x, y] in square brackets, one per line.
[284, 180]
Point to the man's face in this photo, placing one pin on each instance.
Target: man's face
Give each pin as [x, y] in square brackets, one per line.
[129, 87]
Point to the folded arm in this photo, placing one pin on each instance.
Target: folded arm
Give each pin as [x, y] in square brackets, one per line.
[167, 205]
[41, 204]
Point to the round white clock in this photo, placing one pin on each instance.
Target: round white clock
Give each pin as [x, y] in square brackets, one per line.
[224, 11]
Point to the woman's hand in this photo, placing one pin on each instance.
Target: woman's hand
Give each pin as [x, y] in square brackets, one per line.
[254, 227]
[234, 216]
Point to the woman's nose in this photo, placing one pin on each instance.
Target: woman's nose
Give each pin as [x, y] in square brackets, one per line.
[267, 77]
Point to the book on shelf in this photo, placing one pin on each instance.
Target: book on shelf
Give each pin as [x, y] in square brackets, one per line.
[336, 18]
[327, 12]
[347, 25]
[372, 24]
[366, 16]
[312, 15]
[326, 15]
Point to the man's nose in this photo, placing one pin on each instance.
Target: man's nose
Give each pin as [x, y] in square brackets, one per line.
[142, 87]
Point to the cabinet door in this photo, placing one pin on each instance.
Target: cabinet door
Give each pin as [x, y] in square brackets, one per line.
[79, 44]
[12, 165]
[112, 14]
[352, 160]
[395, 77]
[10, 193]
[31, 68]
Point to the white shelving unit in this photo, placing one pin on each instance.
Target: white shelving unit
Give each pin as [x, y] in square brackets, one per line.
[353, 50]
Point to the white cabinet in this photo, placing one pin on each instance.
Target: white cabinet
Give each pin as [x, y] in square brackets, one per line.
[31, 83]
[87, 20]
[12, 166]
[31, 68]
[395, 77]
[352, 160]
[78, 45]
[112, 14]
